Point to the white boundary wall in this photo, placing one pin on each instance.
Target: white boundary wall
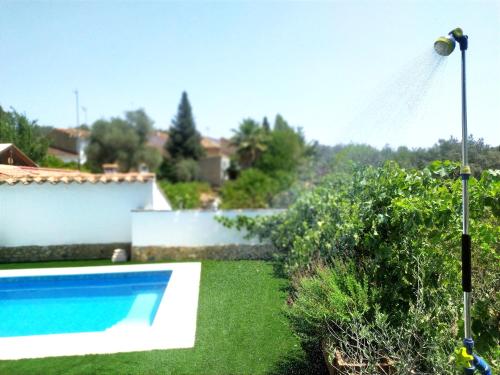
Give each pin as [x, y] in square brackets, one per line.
[64, 214]
[189, 228]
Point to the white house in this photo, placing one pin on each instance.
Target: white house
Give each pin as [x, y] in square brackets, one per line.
[69, 144]
[50, 211]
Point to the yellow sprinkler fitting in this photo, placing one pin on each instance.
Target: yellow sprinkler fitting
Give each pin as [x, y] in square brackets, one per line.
[463, 358]
[457, 33]
[465, 169]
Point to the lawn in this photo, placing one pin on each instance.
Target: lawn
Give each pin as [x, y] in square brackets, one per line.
[240, 330]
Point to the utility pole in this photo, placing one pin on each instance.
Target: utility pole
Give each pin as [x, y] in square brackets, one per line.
[84, 109]
[77, 109]
[77, 125]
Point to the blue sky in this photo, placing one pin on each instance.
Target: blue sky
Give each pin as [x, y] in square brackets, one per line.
[319, 64]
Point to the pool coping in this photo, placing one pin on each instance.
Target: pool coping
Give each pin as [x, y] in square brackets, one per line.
[173, 327]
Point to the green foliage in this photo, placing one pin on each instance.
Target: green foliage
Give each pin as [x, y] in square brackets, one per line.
[122, 141]
[265, 125]
[328, 296]
[184, 195]
[402, 230]
[286, 149]
[250, 140]
[351, 155]
[252, 189]
[25, 134]
[142, 124]
[147, 155]
[187, 170]
[342, 158]
[112, 141]
[276, 154]
[180, 170]
[481, 155]
[51, 161]
[184, 141]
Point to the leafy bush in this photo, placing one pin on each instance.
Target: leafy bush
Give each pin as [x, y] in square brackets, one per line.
[51, 161]
[328, 296]
[29, 137]
[402, 231]
[185, 195]
[285, 148]
[187, 170]
[253, 189]
[122, 141]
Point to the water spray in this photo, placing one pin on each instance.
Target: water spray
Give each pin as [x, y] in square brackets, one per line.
[466, 358]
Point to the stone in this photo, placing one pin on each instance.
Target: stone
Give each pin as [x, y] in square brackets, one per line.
[59, 252]
[119, 255]
[219, 252]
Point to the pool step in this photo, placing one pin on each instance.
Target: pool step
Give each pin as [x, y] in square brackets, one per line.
[138, 315]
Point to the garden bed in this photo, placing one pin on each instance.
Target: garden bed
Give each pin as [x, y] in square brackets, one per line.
[338, 365]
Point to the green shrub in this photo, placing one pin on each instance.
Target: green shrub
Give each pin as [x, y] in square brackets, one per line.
[328, 296]
[185, 195]
[51, 161]
[252, 189]
[187, 170]
[402, 229]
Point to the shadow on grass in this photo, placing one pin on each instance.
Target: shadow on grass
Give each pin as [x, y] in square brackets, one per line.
[300, 365]
[279, 272]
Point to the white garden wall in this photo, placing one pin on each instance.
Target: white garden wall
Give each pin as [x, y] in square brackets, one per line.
[189, 228]
[62, 214]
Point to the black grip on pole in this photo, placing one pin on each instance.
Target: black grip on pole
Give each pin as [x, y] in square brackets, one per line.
[466, 263]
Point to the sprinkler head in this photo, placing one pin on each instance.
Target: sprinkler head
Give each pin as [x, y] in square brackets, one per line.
[444, 45]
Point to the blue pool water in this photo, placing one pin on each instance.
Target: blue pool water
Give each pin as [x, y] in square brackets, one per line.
[39, 305]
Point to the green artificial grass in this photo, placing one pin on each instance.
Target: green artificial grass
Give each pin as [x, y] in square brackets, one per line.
[240, 330]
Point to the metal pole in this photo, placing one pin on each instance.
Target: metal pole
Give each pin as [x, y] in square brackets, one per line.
[77, 125]
[466, 241]
[84, 109]
[77, 109]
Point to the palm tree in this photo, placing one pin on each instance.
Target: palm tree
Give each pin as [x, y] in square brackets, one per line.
[250, 140]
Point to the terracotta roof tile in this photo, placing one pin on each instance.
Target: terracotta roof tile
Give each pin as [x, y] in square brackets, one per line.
[207, 142]
[61, 153]
[12, 175]
[73, 132]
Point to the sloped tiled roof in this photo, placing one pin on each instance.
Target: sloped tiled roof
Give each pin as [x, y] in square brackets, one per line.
[12, 175]
[227, 147]
[73, 132]
[61, 153]
[207, 143]
[158, 139]
[9, 150]
[4, 146]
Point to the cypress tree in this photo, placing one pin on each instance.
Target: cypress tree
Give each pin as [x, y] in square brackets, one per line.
[184, 141]
[265, 125]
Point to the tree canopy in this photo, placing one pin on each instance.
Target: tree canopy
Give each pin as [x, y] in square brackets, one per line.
[250, 139]
[122, 141]
[270, 159]
[343, 157]
[184, 141]
[278, 150]
[286, 147]
[24, 133]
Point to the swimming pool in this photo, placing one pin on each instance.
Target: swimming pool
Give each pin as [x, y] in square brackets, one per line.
[107, 309]
[37, 305]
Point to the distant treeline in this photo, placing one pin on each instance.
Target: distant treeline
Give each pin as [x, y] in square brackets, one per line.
[340, 157]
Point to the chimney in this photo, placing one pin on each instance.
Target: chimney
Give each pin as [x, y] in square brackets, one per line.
[143, 168]
[110, 168]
